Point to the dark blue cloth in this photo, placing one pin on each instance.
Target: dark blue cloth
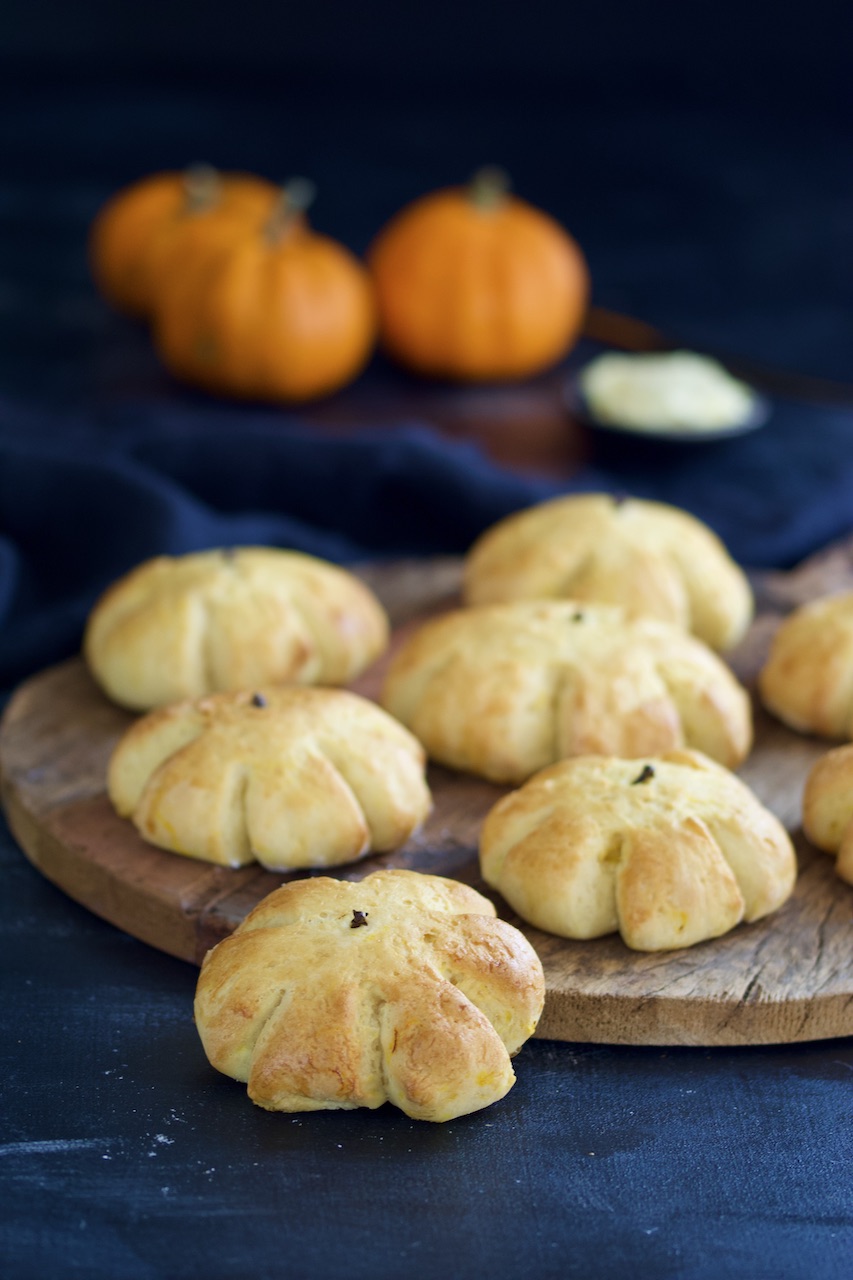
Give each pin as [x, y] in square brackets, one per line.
[84, 498]
[707, 200]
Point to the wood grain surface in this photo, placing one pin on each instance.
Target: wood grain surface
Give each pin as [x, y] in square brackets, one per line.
[784, 979]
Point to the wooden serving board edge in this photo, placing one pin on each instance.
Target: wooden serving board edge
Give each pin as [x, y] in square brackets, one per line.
[652, 1002]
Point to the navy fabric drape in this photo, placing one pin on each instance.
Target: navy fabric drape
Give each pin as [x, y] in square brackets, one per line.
[83, 498]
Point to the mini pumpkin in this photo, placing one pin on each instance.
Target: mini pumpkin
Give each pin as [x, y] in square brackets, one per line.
[278, 313]
[130, 243]
[475, 284]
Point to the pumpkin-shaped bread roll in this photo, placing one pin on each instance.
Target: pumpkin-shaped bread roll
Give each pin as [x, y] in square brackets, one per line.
[214, 620]
[400, 988]
[505, 690]
[669, 851]
[807, 680]
[645, 556]
[287, 777]
[828, 807]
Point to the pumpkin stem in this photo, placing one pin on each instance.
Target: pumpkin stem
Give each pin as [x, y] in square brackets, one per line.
[202, 187]
[297, 195]
[489, 187]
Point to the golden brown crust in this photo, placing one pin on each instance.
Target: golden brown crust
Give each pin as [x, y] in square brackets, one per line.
[216, 620]
[669, 853]
[504, 690]
[645, 556]
[288, 777]
[828, 807]
[422, 1003]
[807, 680]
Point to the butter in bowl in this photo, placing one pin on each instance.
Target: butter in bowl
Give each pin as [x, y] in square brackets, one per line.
[677, 396]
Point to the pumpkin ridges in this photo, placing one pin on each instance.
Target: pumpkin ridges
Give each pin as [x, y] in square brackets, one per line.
[563, 313]
[285, 293]
[423, 311]
[450, 306]
[326, 287]
[244, 308]
[422, 304]
[192, 355]
[189, 342]
[120, 230]
[151, 226]
[479, 325]
[244, 202]
[288, 320]
[169, 324]
[231, 314]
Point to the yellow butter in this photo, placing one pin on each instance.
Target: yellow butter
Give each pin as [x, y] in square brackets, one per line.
[670, 391]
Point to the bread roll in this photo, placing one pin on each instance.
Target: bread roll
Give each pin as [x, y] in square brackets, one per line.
[807, 680]
[401, 988]
[504, 690]
[828, 807]
[651, 558]
[668, 851]
[289, 777]
[217, 620]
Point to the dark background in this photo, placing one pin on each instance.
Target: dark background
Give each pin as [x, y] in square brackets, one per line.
[701, 153]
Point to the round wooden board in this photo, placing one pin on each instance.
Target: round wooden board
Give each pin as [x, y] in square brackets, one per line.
[784, 979]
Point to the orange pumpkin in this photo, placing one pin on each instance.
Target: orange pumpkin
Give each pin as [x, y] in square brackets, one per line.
[474, 284]
[145, 227]
[280, 313]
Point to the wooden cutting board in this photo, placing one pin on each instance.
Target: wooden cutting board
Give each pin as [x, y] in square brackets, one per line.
[787, 978]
